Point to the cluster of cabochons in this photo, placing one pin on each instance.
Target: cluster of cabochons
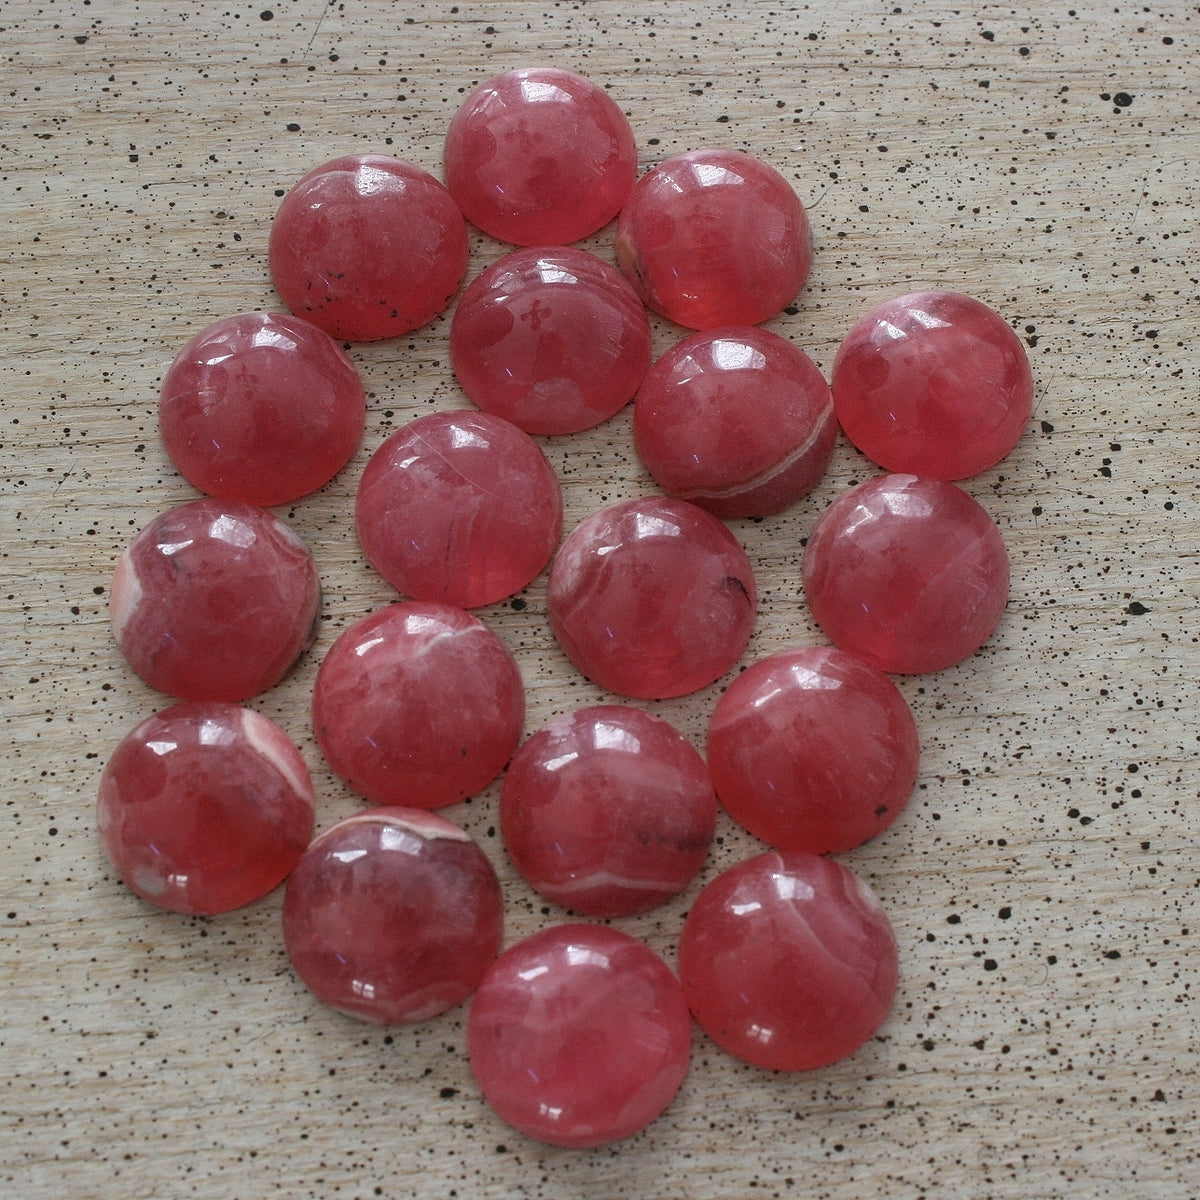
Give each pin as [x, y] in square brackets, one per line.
[579, 1034]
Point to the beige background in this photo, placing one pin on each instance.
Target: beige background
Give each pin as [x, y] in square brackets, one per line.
[1043, 881]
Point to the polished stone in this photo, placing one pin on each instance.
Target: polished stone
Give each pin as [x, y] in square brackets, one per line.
[461, 507]
[261, 407]
[539, 156]
[737, 420]
[550, 338]
[788, 961]
[579, 1035]
[204, 807]
[607, 811]
[813, 749]
[652, 597]
[393, 915]
[214, 600]
[714, 237]
[909, 573]
[418, 704]
[933, 383]
[368, 247]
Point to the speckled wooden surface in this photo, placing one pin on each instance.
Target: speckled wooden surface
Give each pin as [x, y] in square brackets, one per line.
[1044, 880]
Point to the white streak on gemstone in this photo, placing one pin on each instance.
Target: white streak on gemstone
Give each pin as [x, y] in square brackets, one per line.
[125, 596]
[430, 830]
[263, 736]
[604, 879]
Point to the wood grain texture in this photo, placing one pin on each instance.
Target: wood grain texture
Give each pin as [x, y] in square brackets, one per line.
[1043, 881]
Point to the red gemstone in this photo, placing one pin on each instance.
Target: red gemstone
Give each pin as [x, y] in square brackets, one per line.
[539, 156]
[214, 600]
[460, 507]
[553, 339]
[910, 574]
[607, 811]
[813, 749]
[205, 807]
[736, 420]
[788, 961]
[419, 704]
[393, 915]
[652, 597]
[261, 407]
[579, 1035]
[368, 247]
[714, 237]
[933, 383]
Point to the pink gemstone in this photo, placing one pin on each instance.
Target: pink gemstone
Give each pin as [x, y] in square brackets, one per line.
[460, 507]
[261, 407]
[214, 600]
[910, 574]
[368, 247]
[553, 339]
[933, 383]
[652, 597]
[205, 807]
[736, 420]
[607, 811]
[419, 704]
[579, 1035]
[393, 915]
[788, 961]
[813, 749]
[539, 156]
[714, 237]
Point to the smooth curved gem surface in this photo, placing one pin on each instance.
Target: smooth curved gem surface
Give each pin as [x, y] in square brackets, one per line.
[607, 811]
[368, 247]
[788, 961]
[579, 1035]
[550, 338]
[652, 597]
[714, 237]
[736, 420]
[460, 507]
[205, 807]
[261, 407]
[419, 704]
[909, 573]
[933, 383]
[813, 749]
[393, 915]
[214, 600]
[539, 156]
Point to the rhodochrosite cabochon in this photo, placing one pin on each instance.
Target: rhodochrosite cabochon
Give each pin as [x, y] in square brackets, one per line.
[652, 597]
[418, 704]
[539, 157]
[551, 338]
[933, 383]
[261, 407]
[205, 806]
[909, 573]
[393, 915]
[460, 507]
[368, 247]
[579, 1035]
[607, 811]
[214, 600]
